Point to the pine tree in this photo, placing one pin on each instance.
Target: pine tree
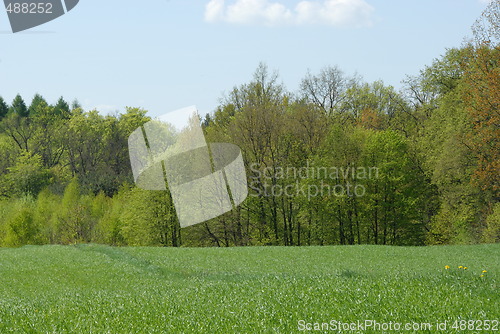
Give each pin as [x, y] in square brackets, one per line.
[37, 102]
[4, 108]
[62, 108]
[19, 107]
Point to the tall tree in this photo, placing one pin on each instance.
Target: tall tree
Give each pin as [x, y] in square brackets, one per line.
[4, 108]
[28, 175]
[486, 29]
[482, 98]
[49, 135]
[20, 129]
[327, 88]
[73, 223]
[253, 117]
[37, 103]
[18, 107]
[62, 108]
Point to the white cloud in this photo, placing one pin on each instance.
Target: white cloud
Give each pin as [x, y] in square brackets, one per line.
[214, 10]
[353, 13]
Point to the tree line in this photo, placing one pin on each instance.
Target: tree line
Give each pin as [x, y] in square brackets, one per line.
[341, 161]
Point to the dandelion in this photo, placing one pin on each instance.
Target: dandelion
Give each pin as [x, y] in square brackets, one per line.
[446, 267]
[465, 268]
[481, 276]
[484, 271]
[460, 267]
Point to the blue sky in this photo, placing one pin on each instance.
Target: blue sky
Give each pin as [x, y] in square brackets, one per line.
[163, 55]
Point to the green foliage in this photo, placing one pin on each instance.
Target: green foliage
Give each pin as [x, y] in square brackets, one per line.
[447, 156]
[61, 108]
[432, 150]
[28, 175]
[4, 108]
[444, 75]
[8, 152]
[132, 119]
[37, 104]
[492, 232]
[45, 215]
[109, 229]
[21, 227]
[74, 221]
[18, 107]
[149, 219]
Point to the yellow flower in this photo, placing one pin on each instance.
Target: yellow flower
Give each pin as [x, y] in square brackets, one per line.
[484, 271]
[465, 268]
[446, 267]
[481, 276]
[460, 267]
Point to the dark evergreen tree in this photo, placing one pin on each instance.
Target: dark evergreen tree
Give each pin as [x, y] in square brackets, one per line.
[62, 108]
[18, 107]
[37, 101]
[4, 108]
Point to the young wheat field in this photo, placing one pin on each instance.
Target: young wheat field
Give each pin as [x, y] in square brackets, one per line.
[101, 289]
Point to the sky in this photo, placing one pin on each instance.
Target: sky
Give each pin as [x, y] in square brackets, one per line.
[164, 55]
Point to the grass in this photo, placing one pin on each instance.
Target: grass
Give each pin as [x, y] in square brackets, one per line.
[100, 289]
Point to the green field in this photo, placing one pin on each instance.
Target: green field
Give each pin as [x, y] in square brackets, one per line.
[100, 289]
